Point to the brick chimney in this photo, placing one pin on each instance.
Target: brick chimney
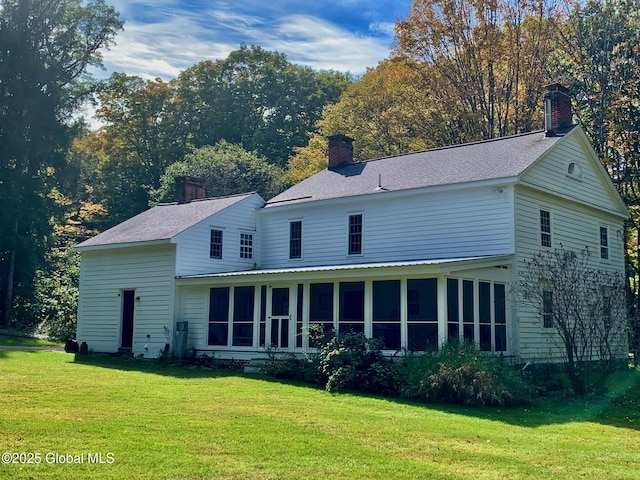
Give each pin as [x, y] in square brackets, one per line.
[557, 109]
[340, 150]
[189, 188]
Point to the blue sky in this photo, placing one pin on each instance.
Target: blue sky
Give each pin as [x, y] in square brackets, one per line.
[163, 37]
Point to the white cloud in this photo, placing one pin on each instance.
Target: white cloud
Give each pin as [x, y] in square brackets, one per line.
[171, 39]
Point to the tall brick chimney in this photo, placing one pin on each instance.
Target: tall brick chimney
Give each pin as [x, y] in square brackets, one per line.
[189, 188]
[557, 109]
[340, 150]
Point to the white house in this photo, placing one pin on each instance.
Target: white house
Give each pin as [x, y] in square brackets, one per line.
[415, 249]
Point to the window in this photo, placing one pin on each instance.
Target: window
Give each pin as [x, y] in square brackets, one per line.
[295, 239]
[243, 301]
[299, 311]
[263, 316]
[468, 311]
[500, 314]
[545, 228]
[547, 308]
[422, 309]
[453, 310]
[386, 313]
[351, 307]
[321, 306]
[355, 234]
[215, 247]
[604, 243]
[218, 316]
[574, 170]
[246, 245]
[484, 300]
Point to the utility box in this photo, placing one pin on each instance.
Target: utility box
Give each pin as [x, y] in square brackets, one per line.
[182, 334]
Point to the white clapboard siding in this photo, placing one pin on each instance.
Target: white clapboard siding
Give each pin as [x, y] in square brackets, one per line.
[193, 244]
[574, 226]
[194, 308]
[588, 183]
[104, 275]
[423, 225]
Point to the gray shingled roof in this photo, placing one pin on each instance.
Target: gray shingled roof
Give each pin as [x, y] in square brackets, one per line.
[162, 222]
[505, 157]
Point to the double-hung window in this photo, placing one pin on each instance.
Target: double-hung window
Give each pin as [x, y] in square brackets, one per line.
[604, 243]
[215, 245]
[355, 234]
[295, 239]
[545, 228]
[246, 245]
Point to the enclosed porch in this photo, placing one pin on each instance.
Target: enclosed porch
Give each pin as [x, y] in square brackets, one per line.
[410, 306]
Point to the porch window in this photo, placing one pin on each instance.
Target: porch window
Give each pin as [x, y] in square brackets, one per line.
[243, 303]
[500, 316]
[604, 243]
[422, 310]
[484, 294]
[295, 239]
[215, 245]
[351, 307]
[453, 310]
[355, 234]
[545, 228]
[321, 306]
[218, 316]
[263, 316]
[386, 313]
[468, 311]
[299, 311]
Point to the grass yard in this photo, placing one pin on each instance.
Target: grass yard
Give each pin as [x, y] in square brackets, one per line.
[153, 422]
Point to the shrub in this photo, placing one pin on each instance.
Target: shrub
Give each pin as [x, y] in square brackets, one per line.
[460, 373]
[351, 361]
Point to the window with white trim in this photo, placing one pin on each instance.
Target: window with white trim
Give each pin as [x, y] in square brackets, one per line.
[545, 228]
[355, 234]
[295, 239]
[246, 245]
[604, 243]
[215, 245]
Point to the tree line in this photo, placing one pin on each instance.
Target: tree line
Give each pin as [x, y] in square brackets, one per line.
[458, 71]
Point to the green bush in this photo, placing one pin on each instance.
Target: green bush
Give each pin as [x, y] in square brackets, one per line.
[351, 361]
[460, 373]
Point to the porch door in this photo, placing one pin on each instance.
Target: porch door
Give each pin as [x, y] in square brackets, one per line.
[279, 322]
[128, 302]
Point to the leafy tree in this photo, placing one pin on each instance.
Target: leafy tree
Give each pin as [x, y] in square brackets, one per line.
[387, 112]
[226, 169]
[584, 306]
[309, 160]
[597, 59]
[46, 49]
[257, 99]
[487, 59]
[140, 140]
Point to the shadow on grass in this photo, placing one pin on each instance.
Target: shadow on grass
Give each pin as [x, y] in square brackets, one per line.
[617, 406]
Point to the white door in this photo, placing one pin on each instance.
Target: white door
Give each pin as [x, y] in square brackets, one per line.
[279, 319]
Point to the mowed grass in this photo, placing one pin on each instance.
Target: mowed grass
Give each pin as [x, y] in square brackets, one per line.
[154, 422]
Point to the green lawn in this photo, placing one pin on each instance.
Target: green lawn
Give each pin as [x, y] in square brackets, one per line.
[154, 422]
[14, 341]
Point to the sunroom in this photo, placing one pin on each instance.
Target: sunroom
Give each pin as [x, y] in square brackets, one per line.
[410, 306]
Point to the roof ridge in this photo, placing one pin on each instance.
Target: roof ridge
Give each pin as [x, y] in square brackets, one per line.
[165, 204]
[451, 147]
